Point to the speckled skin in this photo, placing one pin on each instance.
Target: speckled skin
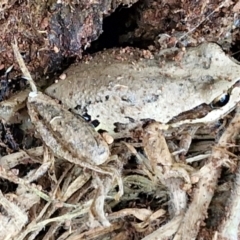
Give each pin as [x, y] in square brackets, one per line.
[122, 90]
[68, 136]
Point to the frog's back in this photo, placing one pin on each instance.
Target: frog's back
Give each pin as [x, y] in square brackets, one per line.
[120, 87]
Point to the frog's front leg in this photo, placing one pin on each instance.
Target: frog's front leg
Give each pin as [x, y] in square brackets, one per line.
[68, 136]
[71, 138]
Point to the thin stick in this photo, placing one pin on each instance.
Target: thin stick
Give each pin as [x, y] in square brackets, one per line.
[23, 67]
[195, 27]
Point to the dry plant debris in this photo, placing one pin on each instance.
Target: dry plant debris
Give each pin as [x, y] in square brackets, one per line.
[67, 199]
[72, 192]
[49, 31]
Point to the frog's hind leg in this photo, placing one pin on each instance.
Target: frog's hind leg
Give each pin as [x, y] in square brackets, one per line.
[96, 212]
[186, 140]
[115, 166]
[48, 161]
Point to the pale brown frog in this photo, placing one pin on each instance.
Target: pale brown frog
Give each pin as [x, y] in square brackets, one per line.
[121, 90]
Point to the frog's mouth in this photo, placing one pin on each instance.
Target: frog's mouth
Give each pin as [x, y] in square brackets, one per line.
[197, 112]
[207, 113]
[202, 110]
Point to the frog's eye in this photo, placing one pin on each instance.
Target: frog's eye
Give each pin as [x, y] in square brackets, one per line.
[220, 101]
[87, 117]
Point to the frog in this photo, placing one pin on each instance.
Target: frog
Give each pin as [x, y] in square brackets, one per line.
[121, 90]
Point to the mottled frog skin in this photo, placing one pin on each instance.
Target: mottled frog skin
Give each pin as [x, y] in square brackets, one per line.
[122, 90]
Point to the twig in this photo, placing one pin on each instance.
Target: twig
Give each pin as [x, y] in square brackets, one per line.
[68, 216]
[229, 227]
[14, 221]
[23, 67]
[203, 194]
